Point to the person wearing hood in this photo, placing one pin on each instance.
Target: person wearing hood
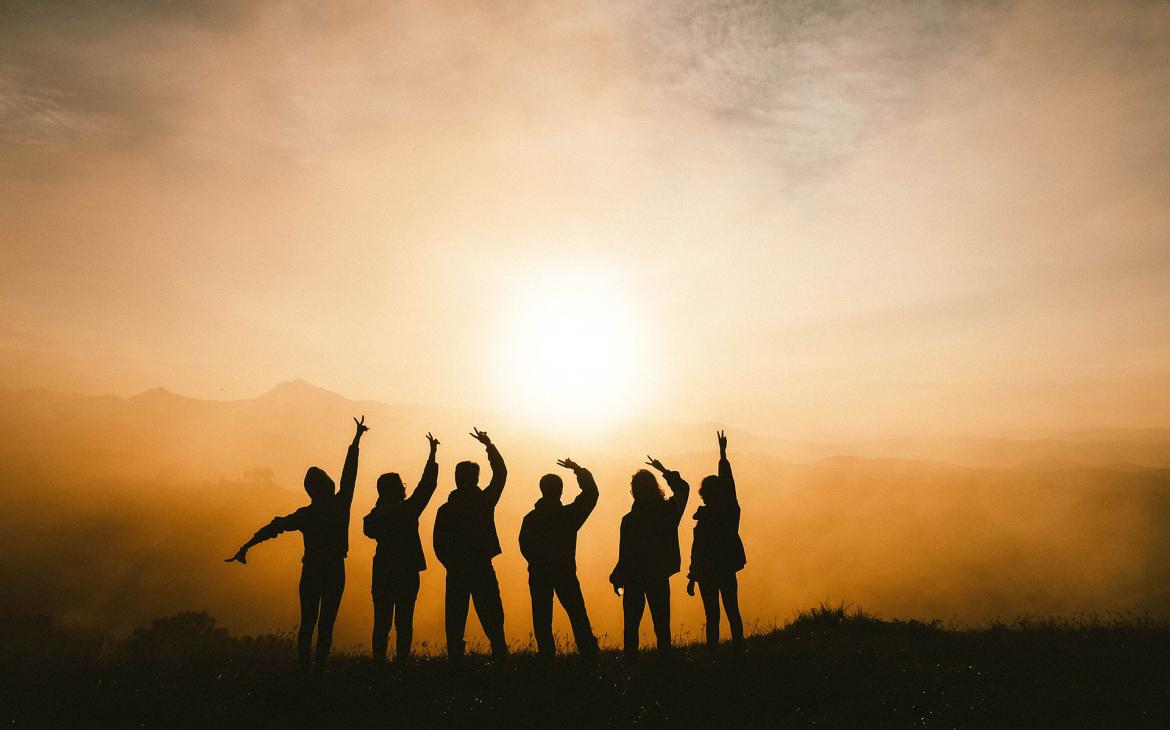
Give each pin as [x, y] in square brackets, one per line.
[548, 541]
[717, 552]
[648, 553]
[393, 523]
[324, 525]
[465, 543]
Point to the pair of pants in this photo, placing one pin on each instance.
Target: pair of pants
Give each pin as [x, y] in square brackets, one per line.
[322, 583]
[394, 596]
[478, 584]
[711, 588]
[568, 590]
[637, 595]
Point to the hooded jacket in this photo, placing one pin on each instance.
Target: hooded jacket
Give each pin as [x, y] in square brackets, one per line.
[324, 524]
[548, 535]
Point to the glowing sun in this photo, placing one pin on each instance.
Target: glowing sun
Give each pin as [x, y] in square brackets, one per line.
[572, 352]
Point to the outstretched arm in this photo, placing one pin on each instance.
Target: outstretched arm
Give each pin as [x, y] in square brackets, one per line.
[269, 531]
[422, 494]
[583, 505]
[349, 471]
[499, 471]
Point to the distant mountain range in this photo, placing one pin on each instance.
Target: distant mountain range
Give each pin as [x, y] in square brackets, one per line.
[297, 423]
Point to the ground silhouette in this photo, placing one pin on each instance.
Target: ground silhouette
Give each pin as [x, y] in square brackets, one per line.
[828, 667]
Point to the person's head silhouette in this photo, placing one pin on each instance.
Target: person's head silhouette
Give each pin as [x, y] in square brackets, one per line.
[466, 475]
[390, 488]
[551, 487]
[318, 485]
[710, 489]
[644, 487]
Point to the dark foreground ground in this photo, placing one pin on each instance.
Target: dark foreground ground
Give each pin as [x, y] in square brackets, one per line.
[828, 668]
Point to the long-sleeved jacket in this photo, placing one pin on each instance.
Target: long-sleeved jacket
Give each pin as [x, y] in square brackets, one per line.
[324, 524]
[648, 548]
[548, 534]
[395, 526]
[717, 548]
[465, 526]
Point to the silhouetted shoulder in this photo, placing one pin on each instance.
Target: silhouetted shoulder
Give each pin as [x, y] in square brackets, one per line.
[297, 519]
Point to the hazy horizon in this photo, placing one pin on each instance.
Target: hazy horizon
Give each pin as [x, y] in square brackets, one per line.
[116, 511]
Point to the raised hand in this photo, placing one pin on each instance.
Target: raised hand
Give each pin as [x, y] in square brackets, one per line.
[241, 557]
[569, 464]
[722, 437]
[361, 428]
[481, 436]
[651, 461]
[434, 442]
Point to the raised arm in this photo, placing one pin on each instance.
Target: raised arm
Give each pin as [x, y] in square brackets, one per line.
[349, 471]
[681, 491]
[583, 505]
[422, 494]
[499, 472]
[269, 531]
[725, 475]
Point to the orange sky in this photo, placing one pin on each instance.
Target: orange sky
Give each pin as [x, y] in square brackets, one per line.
[825, 220]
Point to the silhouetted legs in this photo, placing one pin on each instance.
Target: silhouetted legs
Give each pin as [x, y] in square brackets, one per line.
[310, 590]
[322, 583]
[479, 585]
[657, 594]
[711, 589]
[541, 590]
[404, 623]
[394, 599]
[568, 590]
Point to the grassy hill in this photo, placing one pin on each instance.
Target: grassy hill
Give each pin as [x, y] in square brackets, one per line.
[827, 668]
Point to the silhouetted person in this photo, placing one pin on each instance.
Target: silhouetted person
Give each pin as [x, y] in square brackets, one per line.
[399, 558]
[324, 524]
[717, 551]
[465, 543]
[648, 553]
[548, 540]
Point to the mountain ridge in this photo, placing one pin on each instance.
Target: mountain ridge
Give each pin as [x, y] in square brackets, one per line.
[283, 405]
